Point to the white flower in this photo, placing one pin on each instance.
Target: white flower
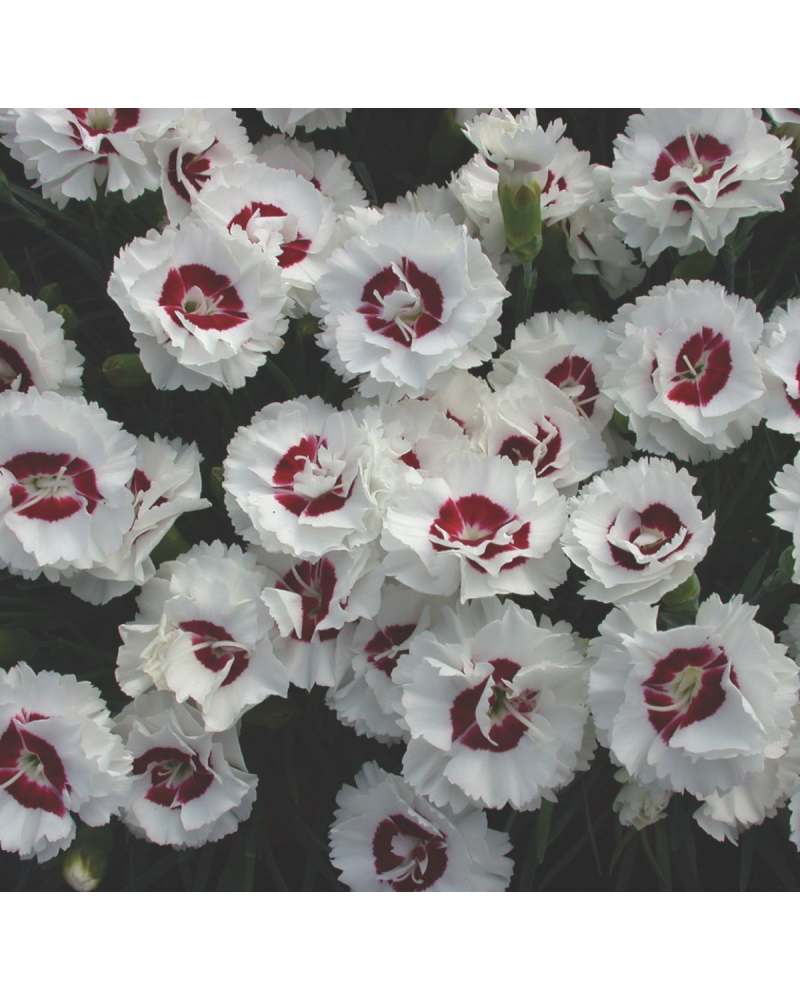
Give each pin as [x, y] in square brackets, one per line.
[189, 786]
[685, 371]
[203, 633]
[779, 357]
[288, 119]
[199, 144]
[384, 838]
[785, 504]
[297, 479]
[481, 527]
[64, 470]
[204, 309]
[409, 299]
[696, 708]
[637, 532]
[70, 152]
[497, 710]
[684, 177]
[165, 484]
[639, 804]
[58, 760]
[33, 349]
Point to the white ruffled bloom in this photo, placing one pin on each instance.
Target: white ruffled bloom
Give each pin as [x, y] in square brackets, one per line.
[165, 484]
[696, 708]
[190, 787]
[204, 309]
[384, 838]
[191, 152]
[639, 804]
[203, 633]
[297, 479]
[637, 532]
[685, 177]
[496, 706]
[785, 504]
[409, 299]
[71, 152]
[33, 349]
[685, 371]
[481, 527]
[64, 473]
[58, 760]
[288, 119]
[779, 357]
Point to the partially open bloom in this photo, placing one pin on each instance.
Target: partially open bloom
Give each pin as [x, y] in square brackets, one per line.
[203, 633]
[409, 299]
[58, 760]
[496, 705]
[684, 177]
[70, 152]
[685, 371]
[384, 838]
[204, 309]
[64, 473]
[288, 119]
[696, 708]
[779, 356]
[33, 349]
[639, 804]
[189, 786]
[637, 532]
[483, 526]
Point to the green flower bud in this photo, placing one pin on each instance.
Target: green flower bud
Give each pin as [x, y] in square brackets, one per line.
[16, 644]
[786, 562]
[125, 371]
[522, 217]
[69, 319]
[8, 278]
[215, 483]
[172, 545]
[683, 597]
[307, 326]
[50, 294]
[697, 265]
[85, 862]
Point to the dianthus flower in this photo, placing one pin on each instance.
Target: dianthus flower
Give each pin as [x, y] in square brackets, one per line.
[203, 633]
[64, 473]
[409, 299]
[637, 532]
[785, 504]
[204, 309]
[384, 838]
[70, 152]
[33, 349]
[189, 787]
[483, 526]
[58, 760]
[288, 119]
[696, 708]
[496, 706]
[685, 371]
[685, 177]
[779, 356]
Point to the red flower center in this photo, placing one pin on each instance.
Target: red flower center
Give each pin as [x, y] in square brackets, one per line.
[402, 303]
[216, 649]
[176, 776]
[685, 687]
[292, 251]
[541, 449]
[31, 769]
[471, 522]
[575, 376]
[315, 583]
[195, 169]
[51, 487]
[308, 479]
[508, 713]
[703, 369]
[407, 855]
[12, 367]
[194, 295]
[657, 527]
[101, 121]
[704, 154]
[384, 649]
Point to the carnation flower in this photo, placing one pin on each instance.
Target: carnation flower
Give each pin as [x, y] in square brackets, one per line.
[203, 633]
[684, 177]
[637, 532]
[685, 371]
[496, 709]
[409, 299]
[297, 479]
[33, 349]
[165, 484]
[64, 470]
[189, 787]
[640, 804]
[199, 144]
[785, 504]
[58, 760]
[779, 357]
[481, 527]
[696, 708]
[70, 152]
[288, 119]
[384, 838]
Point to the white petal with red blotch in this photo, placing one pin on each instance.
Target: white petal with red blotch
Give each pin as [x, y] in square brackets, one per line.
[385, 838]
[779, 357]
[636, 531]
[33, 349]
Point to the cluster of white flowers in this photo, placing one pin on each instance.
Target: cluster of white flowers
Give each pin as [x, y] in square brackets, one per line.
[387, 539]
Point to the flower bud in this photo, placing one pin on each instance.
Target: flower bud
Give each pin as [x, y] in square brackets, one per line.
[125, 371]
[172, 545]
[51, 295]
[697, 265]
[215, 483]
[522, 217]
[86, 861]
[683, 597]
[786, 562]
[16, 644]
[69, 319]
[8, 278]
[307, 326]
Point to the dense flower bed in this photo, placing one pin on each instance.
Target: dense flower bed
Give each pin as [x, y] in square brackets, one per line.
[400, 501]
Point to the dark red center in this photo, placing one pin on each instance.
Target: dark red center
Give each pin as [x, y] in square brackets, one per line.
[12, 367]
[194, 294]
[176, 776]
[292, 251]
[423, 860]
[402, 303]
[507, 728]
[685, 687]
[384, 648]
[572, 372]
[709, 157]
[195, 169]
[659, 525]
[472, 521]
[302, 457]
[703, 368]
[51, 487]
[31, 769]
[211, 648]
[315, 583]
